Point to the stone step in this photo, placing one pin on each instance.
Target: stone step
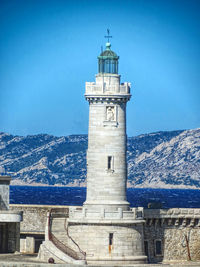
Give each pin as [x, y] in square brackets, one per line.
[59, 231]
[48, 249]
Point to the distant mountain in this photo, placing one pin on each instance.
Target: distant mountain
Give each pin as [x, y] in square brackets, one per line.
[162, 159]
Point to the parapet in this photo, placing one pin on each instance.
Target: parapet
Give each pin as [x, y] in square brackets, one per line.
[172, 213]
[179, 217]
[84, 215]
[107, 89]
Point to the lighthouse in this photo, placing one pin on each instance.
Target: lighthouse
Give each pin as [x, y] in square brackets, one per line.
[106, 154]
[106, 229]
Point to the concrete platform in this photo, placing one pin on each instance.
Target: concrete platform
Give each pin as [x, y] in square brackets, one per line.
[27, 260]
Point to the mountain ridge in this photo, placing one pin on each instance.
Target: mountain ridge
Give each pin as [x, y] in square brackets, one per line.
[165, 159]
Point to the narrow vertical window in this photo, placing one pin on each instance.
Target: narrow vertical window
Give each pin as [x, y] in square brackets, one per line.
[110, 247]
[109, 162]
[110, 239]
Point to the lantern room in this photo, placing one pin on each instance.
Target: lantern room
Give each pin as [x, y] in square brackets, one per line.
[108, 61]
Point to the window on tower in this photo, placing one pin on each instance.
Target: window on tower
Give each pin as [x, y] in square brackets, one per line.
[110, 242]
[110, 239]
[110, 163]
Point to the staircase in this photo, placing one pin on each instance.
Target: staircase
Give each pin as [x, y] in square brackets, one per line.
[58, 244]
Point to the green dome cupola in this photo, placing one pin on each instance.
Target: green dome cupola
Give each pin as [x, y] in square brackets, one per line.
[108, 60]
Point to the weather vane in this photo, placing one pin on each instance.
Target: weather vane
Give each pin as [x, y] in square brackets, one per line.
[108, 35]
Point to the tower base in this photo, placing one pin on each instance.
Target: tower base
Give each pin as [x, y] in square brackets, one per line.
[109, 237]
[117, 261]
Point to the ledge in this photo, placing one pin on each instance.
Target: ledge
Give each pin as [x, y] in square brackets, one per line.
[172, 213]
[105, 222]
[10, 216]
[39, 206]
[118, 258]
[32, 232]
[108, 96]
[5, 179]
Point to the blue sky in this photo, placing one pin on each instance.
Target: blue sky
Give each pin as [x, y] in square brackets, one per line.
[49, 49]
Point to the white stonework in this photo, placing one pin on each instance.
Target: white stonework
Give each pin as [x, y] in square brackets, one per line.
[106, 229]
[106, 155]
[10, 216]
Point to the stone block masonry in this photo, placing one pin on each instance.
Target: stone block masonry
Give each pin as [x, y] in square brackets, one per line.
[32, 228]
[4, 192]
[34, 217]
[172, 234]
[170, 226]
[106, 155]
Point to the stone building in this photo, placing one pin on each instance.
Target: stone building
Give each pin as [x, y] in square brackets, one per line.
[172, 234]
[169, 234]
[9, 220]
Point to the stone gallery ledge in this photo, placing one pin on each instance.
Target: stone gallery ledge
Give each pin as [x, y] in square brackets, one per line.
[10, 216]
[87, 214]
[105, 222]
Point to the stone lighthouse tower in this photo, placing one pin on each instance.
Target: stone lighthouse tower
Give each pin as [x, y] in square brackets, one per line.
[106, 155]
[106, 229]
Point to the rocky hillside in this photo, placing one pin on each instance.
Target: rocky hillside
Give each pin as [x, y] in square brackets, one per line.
[162, 159]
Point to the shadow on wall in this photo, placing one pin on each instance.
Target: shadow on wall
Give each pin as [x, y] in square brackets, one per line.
[3, 205]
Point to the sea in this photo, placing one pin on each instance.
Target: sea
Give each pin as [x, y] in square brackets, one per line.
[75, 196]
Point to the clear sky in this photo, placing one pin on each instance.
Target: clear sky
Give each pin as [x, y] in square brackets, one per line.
[49, 49]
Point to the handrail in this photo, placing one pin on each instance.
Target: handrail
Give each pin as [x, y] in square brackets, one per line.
[64, 248]
[80, 250]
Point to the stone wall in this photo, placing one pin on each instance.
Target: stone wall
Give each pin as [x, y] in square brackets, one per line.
[9, 237]
[13, 237]
[178, 231]
[34, 217]
[4, 192]
[32, 228]
[126, 242]
[170, 226]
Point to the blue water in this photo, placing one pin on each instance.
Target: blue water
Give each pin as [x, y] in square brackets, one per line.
[44, 195]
